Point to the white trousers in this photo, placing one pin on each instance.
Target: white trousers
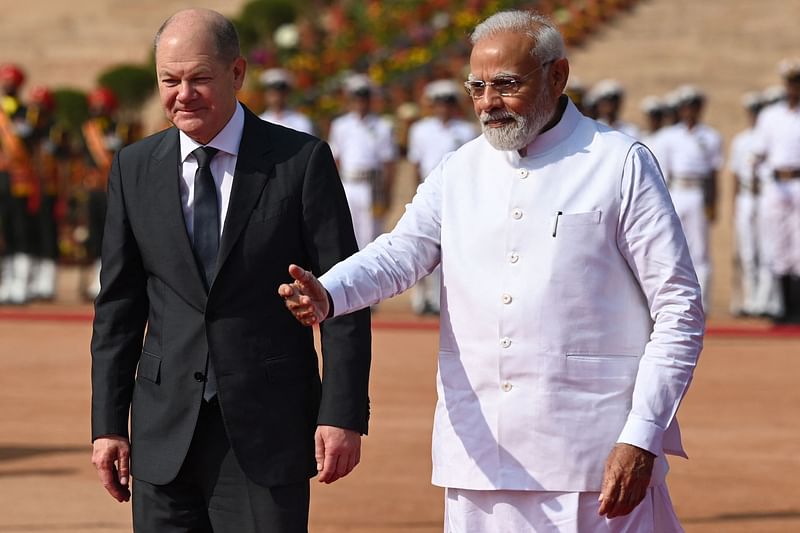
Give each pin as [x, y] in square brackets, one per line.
[746, 226]
[690, 206]
[509, 511]
[782, 217]
[768, 299]
[359, 199]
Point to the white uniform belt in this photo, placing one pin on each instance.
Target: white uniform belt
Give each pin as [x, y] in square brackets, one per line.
[688, 181]
[360, 175]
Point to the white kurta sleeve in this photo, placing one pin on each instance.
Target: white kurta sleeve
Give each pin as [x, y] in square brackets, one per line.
[652, 241]
[396, 260]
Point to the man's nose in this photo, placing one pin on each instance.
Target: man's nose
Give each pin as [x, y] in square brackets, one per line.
[185, 91]
[490, 99]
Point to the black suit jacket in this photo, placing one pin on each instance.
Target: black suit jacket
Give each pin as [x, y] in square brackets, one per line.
[155, 322]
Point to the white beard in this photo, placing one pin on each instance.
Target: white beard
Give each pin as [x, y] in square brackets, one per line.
[524, 129]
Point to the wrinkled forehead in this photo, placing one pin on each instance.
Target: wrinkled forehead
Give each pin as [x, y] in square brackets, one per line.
[502, 53]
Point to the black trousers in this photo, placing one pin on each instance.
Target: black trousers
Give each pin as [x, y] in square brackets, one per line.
[212, 494]
[18, 226]
[97, 203]
[45, 229]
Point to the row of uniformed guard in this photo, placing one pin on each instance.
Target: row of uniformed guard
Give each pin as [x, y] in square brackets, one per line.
[52, 188]
[365, 147]
[764, 160]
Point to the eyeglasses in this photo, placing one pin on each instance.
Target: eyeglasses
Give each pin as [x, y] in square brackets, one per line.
[504, 84]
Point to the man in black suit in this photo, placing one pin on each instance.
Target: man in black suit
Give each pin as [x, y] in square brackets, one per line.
[227, 410]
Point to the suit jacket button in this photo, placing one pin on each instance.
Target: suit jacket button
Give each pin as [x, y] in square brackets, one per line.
[199, 376]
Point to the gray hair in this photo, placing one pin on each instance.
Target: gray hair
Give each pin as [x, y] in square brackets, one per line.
[222, 30]
[549, 44]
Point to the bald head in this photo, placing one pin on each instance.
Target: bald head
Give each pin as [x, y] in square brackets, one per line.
[203, 22]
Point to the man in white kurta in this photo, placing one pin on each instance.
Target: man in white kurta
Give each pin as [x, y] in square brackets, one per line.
[429, 140]
[690, 154]
[571, 317]
[364, 148]
[777, 141]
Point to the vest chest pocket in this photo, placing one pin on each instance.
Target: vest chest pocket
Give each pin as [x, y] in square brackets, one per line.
[568, 220]
[580, 245]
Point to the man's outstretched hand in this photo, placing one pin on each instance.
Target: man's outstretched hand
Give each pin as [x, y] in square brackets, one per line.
[305, 297]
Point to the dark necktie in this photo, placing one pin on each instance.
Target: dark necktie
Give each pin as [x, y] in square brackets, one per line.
[206, 234]
[206, 214]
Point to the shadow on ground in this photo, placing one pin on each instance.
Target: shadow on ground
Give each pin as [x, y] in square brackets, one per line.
[742, 517]
[13, 452]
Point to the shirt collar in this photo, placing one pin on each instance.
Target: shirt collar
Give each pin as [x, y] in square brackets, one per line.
[227, 140]
[544, 142]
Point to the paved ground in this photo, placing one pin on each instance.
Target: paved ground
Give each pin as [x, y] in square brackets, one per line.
[739, 423]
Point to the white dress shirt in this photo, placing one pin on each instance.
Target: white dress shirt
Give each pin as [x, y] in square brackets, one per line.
[222, 167]
[686, 153]
[429, 139]
[778, 136]
[361, 144]
[571, 314]
[742, 158]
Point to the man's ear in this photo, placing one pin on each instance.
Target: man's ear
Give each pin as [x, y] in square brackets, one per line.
[559, 74]
[239, 70]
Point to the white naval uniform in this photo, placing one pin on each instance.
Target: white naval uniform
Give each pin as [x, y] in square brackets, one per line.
[429, 140]
[778, 139]
[742, 165]
[571, 313]
[290, 119]
[688, 158]
[361, 146]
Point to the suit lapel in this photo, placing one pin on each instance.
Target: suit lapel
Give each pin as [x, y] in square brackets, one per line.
[254, 165]
[172, 228]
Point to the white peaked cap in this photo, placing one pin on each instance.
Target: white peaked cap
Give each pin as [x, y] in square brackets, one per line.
[357, 83]
[575, 84]
[607, 88]
[275, 76]
[442, 89]
[789, 67]
[688, 93]
[651, 104]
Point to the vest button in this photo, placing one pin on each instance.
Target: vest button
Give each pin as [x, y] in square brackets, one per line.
[199, 376]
